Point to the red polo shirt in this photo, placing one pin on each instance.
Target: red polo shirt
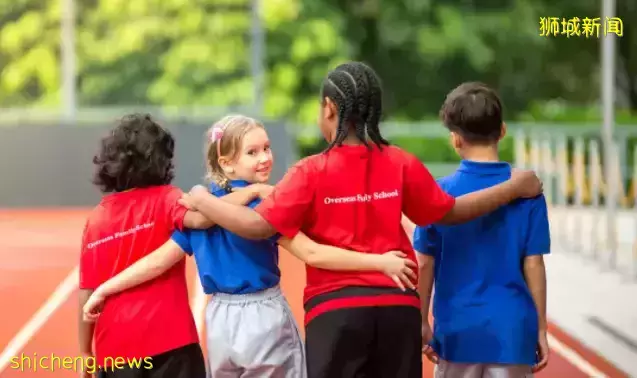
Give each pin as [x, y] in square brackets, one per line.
[154, 317]
[353, 197]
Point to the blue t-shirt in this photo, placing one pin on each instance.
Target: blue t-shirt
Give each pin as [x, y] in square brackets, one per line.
[483, 309]
[228, 263]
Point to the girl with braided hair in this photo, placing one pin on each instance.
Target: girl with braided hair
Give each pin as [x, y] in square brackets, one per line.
[353, 196]
[250, 330]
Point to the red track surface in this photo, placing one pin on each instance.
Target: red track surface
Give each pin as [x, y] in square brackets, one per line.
[39, 248]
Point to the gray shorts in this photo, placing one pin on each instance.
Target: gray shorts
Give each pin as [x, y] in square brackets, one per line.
[253, 335]
[446, 369]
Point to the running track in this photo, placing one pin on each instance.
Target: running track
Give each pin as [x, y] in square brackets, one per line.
[39, 252]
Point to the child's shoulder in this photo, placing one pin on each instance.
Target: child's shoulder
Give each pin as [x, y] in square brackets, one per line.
[535, 203]
[397, 153]
[157, 191]
[311, 160]
[445, 182]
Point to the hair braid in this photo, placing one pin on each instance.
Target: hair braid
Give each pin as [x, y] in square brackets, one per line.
[343, 100]
[356, 73]
[360, 99]
[375, 107]
[355, 90]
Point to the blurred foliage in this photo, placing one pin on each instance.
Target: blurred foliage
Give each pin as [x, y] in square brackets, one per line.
[178, 52]
[197, 53]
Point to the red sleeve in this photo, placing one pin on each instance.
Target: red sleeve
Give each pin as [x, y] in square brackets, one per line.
[89, 274]
[424, 201]
[286, 209]
[174, 211]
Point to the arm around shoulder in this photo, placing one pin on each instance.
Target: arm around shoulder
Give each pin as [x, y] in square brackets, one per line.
[522, 184]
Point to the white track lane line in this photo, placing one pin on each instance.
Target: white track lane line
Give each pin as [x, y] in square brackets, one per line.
[574, 358]
[59, 296]
[69, 285]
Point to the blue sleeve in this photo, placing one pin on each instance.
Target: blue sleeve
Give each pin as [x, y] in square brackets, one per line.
[275, 238]
[538, 240]
[182, 238]
[427, 240]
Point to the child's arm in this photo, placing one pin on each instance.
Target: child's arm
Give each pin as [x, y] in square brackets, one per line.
[85, 328]
[283, 211]
[425, 283]
[409, 227]
[535, 276]
[425, 203]
[197, 220]
[427, 242]
[89, 279]
[538, 243]
[394, 264]
[145, 269]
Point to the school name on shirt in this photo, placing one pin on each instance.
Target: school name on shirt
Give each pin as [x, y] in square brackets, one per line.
[361, 197]
[120, 234]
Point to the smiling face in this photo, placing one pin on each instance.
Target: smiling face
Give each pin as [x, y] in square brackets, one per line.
[238, 148]
[253, 159]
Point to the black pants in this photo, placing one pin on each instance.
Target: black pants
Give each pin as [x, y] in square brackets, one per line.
[365, 342]
[184, 362]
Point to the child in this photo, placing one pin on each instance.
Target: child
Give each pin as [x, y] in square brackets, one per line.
[352, 196]
[250, 329]
[137, 214]
[490, 288]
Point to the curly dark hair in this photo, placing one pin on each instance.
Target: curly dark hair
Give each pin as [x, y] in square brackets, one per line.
[137, 153]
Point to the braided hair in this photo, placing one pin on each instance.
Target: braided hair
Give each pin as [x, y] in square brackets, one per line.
[355, 90]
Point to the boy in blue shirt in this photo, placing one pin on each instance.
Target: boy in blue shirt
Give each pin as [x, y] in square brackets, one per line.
[490, 284]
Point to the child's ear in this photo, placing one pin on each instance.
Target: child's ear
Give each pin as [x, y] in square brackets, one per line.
[329, 108]
[455, 140]
[224, 163]
[503, 131]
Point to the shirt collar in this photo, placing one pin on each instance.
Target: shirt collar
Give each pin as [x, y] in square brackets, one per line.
[214, 187]
[485, 168]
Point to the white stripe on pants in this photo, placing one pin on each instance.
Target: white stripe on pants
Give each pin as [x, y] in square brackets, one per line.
[253, 335]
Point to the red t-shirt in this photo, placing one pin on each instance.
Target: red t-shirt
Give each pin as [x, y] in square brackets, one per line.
[151, 318]
[352, 197]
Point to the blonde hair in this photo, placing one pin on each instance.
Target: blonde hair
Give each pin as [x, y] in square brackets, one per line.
[224, 139]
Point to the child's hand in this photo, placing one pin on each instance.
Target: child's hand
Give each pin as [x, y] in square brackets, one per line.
[187, 202]
[526, 182]
[262, 190]
[398, 267]
[198, 190]
[93, 306]
[427, 336]
[542, 351]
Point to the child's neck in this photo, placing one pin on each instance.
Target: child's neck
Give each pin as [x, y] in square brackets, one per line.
[484, 154]
[351, 139]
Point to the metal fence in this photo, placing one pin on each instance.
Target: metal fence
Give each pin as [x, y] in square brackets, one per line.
[578, 191]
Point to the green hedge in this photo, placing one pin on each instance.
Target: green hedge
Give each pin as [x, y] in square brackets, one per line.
[426, 149]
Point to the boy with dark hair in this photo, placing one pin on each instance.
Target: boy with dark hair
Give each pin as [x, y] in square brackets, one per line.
[489, 305]
[137, 214]
[352, 196]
